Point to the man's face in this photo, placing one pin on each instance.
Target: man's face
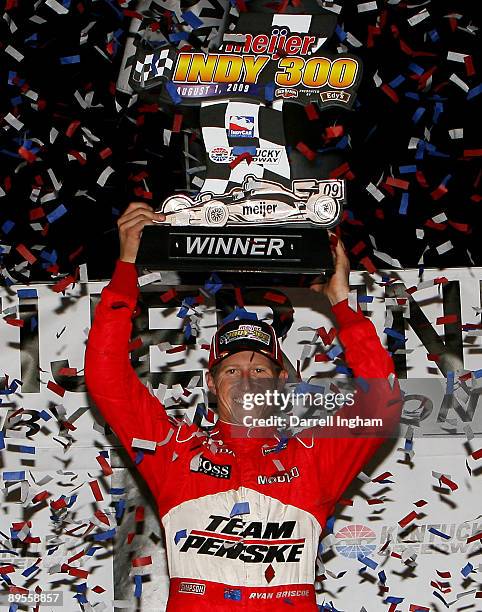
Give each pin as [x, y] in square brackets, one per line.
[243, 372]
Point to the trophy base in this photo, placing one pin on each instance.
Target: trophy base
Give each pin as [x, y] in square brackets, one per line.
[288, 248]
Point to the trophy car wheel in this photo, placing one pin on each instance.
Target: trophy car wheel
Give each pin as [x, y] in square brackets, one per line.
[323, 210]
[215, 213]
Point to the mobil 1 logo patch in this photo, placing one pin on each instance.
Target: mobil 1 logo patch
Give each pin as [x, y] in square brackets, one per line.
[203, 465]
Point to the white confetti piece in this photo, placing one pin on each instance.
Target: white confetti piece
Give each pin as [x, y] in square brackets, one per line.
[147, 279]
[456, 133]
[104, 176]
[419, 17]
[458, 81]
[452, 56]
[443, 248]
[14, 53]
[14, 122]
[367, 6]
[57, 7]
[439, 218]
[144, 444]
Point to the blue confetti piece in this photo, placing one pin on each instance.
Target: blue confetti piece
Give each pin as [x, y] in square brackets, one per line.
[450, 383]
[180, 535]
[334, 351]
[44, 415]
[417, 115]
[13, 607]
[138, 583]
[439, 533]
[104, 535]
[178, 36]
[72, 500]
[240, 508]
[439, 107]
[27, 449]
[16, 101]
[394, 334]
[382, 576]
[172, 91]
[467, 569]
[365, 299]
[120, 508]
[330, 521]
[117, 491]
[363, 383]
[393, 600]
[27, 293]
[397, 81]
[446, 180]
[342, 369]
[70, 59]
[139, 457]
[434, 37]
[340, 32]
[477, 373]
[416, 68]
[403, 204]
[407, 169]
[7, 226]
[12, 476]
[30, 570]
[2, 440]
[57, 213]
[412, 95]
[475, 91]
[367, 561]
[92, 550]
[408, 444]
[192, 19]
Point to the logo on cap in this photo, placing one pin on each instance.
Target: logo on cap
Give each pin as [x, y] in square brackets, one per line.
[245, 332]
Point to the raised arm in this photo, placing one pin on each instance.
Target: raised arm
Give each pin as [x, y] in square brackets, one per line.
[126, 404]
[343, 451]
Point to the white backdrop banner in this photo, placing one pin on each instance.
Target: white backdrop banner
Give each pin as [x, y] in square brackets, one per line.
[75, 513]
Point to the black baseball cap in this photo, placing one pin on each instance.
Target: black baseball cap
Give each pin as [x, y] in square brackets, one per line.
[245, 335]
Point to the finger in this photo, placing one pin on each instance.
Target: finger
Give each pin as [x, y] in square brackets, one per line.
[136, 229]
[133, 207]
[127, 225]
[136, 216]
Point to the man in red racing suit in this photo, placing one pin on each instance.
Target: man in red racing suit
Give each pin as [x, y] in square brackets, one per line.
[243, 508]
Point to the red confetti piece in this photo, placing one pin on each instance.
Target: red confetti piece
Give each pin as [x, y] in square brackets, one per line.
[79, 573]
[106, 469]
[326, 337]
[306, 151]
[394, 182]
[275, 297]
[321, 357]
[25, 253]
[472, 152]
[450, 483]
[437, 193]
[177, 123]
[7, 569]
[477, 536]
[340, 170]
[59, 503]
[477, 454]
[102, 517]
[53, 386]
[36, 213]
[130, 537]
[71, 129]
[98, 589]
[368, 264]
[94, 485]
[68, 372]
[14, 322]
[41, 496]
[391, 93]
[27, 155]
[62, 284]
[358, 248]
[238, 294]
[469, 65]
[177, 349]
[447, 320]
[411, 516]
[105, 153]
[345, 502]
[334, 131]
[141, 561]
[433, 357]
[168, 295]
[139, 516]
[311, 112]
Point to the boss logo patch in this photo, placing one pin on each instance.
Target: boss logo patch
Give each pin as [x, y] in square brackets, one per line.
[206, 466]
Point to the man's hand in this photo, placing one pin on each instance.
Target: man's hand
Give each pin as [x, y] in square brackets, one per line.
[338, 287]
[130, 224]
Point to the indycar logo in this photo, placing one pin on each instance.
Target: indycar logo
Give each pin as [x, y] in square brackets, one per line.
[272, 541]
[208, 467]
[223, 155]
[241, 127]
[279, 478]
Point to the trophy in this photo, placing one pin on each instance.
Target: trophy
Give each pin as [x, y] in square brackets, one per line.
[239, 71]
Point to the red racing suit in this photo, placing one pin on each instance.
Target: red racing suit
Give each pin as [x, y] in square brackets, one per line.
[242, 530]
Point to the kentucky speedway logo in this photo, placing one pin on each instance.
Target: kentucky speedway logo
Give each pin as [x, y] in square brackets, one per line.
[241, 127]
[355, 541]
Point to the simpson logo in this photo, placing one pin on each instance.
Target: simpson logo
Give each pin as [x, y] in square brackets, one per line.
[279, 478]
[192, 587]
[208, 467]
[241, 126]
[245, 332]
[274, 541]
